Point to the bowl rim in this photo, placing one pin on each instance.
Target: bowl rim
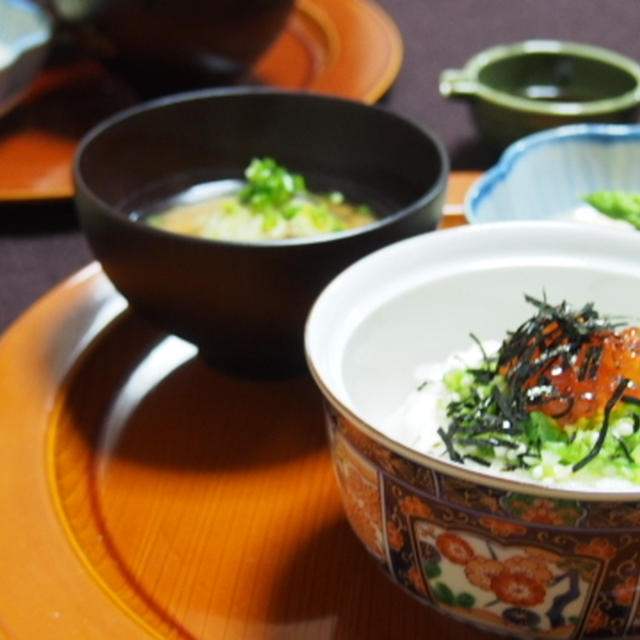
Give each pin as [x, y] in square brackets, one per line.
[477, 235]
[432, 192]
[598, 133]
[468, 77]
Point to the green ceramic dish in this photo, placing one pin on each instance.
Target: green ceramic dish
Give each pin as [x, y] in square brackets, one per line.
[521, 88]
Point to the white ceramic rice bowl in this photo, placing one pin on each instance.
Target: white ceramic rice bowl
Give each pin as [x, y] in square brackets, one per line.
[512, 557]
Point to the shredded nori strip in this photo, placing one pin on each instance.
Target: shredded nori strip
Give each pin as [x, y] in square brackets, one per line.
[484, 376]
[591, 364]
[625, 450]
[446, 438]
[485, 358]
[487, 442]
[613, 400]
[481, 461]
[570, 400]
[510, 412]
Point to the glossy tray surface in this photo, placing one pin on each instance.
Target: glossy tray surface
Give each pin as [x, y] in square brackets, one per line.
[349, 48]
[147, 496]
[170, 501]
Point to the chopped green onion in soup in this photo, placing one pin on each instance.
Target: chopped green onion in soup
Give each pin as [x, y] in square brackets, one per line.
[273, 204]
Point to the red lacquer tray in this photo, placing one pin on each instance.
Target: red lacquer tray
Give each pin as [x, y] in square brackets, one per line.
[349, 48]
[146, 496]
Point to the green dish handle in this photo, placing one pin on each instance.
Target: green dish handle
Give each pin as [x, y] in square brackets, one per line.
[454, 83]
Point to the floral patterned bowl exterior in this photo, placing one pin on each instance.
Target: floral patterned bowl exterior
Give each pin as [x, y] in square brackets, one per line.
[516, 558]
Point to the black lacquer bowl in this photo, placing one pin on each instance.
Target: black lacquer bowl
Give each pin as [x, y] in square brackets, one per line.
[172, 45]
[244, 304]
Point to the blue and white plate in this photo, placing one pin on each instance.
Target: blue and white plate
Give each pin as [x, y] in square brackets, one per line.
[545, 176]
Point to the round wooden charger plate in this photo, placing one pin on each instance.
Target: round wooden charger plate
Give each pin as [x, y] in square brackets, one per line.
[349, 48]
[146, 496]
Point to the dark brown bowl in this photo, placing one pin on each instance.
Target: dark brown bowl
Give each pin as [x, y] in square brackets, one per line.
[245, 304]
[173, 45]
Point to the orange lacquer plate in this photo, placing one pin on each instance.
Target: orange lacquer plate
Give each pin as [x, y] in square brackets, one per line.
[145, 496]
[348, 48]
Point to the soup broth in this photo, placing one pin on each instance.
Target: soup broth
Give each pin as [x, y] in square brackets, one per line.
[273, 204]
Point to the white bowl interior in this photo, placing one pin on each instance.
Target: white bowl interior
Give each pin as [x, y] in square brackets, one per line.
[419, 300]
[546, 177]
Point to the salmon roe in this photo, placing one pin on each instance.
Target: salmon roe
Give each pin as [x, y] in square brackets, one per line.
[569, 388]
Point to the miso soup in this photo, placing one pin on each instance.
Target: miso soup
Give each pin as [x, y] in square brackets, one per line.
[272, 204]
